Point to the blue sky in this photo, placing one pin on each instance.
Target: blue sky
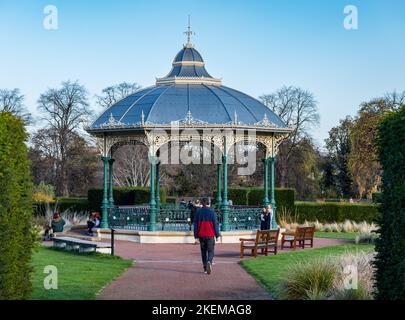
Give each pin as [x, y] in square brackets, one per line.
[254, 46]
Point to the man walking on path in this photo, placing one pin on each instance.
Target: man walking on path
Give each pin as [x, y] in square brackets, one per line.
[206, 230]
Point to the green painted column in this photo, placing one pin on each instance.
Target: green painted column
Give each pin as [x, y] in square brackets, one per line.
[152, 203]
[272, 193]
[158, 185]
[111, 184]
[218, 199]
[225, 209]
[105, 203]
[266, 181]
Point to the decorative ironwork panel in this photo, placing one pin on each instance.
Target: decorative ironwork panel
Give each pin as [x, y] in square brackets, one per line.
[129, 217]
[174, 219]
[244, 218]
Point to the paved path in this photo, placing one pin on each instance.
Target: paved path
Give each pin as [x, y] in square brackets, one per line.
[174, 271]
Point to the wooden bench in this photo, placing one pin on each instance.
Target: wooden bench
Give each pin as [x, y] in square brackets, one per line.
[266, 240]
[82, 246]
[300, 235]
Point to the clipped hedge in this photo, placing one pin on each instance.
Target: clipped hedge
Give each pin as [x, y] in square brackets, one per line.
[123, 196]
[285, 197]
[237, 195]
[376, 197]
[79, 205]
[171, 200]
[254, 196]
[328, 212]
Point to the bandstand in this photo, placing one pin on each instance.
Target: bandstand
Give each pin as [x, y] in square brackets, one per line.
[187, 107]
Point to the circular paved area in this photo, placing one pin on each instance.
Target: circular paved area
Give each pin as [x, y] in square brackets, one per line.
[174, 271]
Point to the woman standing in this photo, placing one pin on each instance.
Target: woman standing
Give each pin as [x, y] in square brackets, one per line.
[265, 218]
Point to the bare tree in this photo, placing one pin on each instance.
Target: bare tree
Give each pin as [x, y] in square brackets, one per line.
[131, 167]
[13, 101]
[298, 109]
[65, 109]
[112, 94]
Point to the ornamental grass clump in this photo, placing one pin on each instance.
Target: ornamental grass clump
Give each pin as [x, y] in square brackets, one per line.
[366, 237]
[347, 226]
[309, 280]
[347, 277]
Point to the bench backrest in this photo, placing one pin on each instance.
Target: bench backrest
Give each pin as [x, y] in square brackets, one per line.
[304, 233]
[267, 236]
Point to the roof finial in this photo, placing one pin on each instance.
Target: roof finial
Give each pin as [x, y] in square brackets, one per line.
[189, 33]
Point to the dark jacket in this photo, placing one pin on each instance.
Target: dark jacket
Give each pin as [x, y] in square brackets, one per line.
[265, 221]
[57, 225]
[206, 223]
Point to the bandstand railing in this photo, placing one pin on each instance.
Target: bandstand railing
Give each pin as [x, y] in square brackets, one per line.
[169, 218]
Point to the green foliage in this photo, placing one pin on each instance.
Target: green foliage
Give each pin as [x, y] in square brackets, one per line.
[171, 200]
[376, 197]
[16, 238]
[338, 145]
[328, 212]
[43, 192]
[390, 246]
[254, 196]
[123, 196]
[284, 197]
[78, 205]
[237, 195]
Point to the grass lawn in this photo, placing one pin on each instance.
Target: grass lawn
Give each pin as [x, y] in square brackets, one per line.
[79, 276]
[269, 270]
[336, 235]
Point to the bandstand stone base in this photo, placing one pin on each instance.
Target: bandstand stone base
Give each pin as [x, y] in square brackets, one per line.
[169, 236]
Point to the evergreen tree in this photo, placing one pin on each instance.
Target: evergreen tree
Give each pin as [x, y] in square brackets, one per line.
[16, 239]
[390, 247]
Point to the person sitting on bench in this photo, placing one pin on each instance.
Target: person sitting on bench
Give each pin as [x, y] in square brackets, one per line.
[93, 222]
[56, 225]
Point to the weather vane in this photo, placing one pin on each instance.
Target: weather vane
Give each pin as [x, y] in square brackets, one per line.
[189, 33]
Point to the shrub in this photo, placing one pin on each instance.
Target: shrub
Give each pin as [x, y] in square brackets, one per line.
[43, 193]
[123, 196]
[78, 205]
[284, 197]
[254, 196]
[171, 200]
[237, 195]
[16, 234]
[376, 197]
[366, 237]
[390, 261]
[329, 212]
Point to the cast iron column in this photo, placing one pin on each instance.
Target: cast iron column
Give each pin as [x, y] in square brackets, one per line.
[157, 185]
[225, 224]
[266, 181]
[152, 203]
[110, 178]
[272, 195]
[105, 203]
[218, 198]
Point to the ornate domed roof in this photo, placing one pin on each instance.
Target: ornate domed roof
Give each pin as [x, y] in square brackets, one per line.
[188, 67]
[188, 53]
[188, 95]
